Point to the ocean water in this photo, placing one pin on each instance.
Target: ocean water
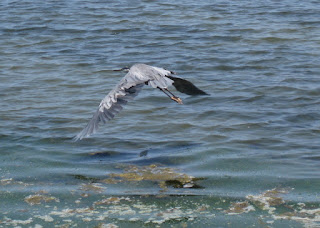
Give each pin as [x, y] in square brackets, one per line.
[247, 155]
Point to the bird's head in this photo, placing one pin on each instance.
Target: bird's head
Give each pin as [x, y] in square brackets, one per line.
[126, 69]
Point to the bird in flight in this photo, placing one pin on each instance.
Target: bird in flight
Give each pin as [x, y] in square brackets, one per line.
[130, 85]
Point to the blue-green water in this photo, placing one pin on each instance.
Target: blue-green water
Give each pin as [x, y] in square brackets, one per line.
[247, 155]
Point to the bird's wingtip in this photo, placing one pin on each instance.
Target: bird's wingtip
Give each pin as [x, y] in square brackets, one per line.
[204, 93]
[80, 136]
[76, 138]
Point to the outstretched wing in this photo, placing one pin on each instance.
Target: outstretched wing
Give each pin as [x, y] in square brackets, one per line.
[186, 87]
[126, 90]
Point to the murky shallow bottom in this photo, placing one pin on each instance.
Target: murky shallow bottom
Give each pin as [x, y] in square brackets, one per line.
[89, 204]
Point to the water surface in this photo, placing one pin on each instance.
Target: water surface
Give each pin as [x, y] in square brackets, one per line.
[247, 155]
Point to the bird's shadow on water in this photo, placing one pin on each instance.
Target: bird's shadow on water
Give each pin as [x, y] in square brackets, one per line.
[165, 155]
[161, 165]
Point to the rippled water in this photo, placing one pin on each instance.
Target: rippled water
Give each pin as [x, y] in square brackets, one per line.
[247, 155]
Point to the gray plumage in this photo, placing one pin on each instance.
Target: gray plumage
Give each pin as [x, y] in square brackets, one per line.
[129, 87]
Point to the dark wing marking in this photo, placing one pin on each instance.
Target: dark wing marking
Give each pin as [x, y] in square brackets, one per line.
[109, 107]
[186, 87]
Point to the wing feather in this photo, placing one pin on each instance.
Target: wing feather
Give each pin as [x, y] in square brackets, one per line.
[126, 90]
[186, 87]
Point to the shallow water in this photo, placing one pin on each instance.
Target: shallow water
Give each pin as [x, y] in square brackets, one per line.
[247, 155]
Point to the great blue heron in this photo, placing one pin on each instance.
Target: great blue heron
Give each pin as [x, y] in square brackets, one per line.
[129, 87]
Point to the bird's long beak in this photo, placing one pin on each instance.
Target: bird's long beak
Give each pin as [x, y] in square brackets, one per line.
[171, 95]
[122, 69]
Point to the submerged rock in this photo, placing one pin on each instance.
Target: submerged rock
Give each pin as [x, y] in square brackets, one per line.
[39, 198]
[164, 176]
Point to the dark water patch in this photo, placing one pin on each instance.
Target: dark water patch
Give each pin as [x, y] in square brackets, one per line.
[108, 156]
[84, 178]
[169, 155]
[277, 39]
[303, 118]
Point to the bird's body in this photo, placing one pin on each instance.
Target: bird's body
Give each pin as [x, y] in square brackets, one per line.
[129, 87]
[138, 75]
